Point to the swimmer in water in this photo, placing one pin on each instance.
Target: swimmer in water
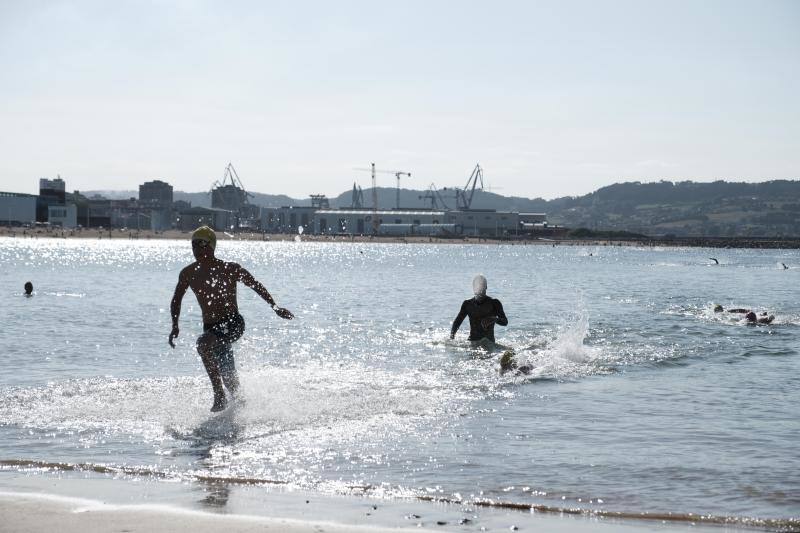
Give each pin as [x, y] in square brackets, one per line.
[28, 288]
[213, 282]
[508, 364]
[483, 312]
[749, 315]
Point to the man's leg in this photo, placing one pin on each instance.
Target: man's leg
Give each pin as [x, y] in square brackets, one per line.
[227, 366]
[205, 347]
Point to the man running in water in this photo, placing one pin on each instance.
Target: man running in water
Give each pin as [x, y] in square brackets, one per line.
[213, 282]
[483, 312]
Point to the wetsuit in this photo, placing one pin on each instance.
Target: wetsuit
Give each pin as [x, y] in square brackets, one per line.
[477, 311]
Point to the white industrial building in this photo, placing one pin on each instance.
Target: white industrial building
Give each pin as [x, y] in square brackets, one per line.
[394, 222]
[485, 222]
[65, 216]
[287, 219]
[17, 209]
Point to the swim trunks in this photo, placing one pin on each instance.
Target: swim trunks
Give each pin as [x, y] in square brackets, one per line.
[227, 330]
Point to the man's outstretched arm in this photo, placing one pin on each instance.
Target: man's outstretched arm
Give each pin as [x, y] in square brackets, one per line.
[248, 279]
[175, 305]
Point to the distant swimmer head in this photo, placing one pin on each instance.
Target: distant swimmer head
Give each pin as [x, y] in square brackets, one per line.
[204, 236]
[751, 317]
[28, 288]
[479, 286]
[718, 308]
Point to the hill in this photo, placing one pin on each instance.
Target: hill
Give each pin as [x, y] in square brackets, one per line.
[686, 208]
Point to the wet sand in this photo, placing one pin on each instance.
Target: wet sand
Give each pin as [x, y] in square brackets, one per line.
[69, 503]
[37, 513]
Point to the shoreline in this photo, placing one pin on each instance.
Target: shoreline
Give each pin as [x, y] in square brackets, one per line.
[676, 242]
[44, 501]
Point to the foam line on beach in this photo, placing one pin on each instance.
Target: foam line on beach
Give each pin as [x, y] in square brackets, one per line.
[776, 524]
[23, 511]
[130, 471]
[772, 524]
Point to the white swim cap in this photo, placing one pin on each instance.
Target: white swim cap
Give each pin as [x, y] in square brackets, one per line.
[479, 285]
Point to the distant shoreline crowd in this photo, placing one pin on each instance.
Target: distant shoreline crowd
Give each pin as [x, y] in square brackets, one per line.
[697, 242]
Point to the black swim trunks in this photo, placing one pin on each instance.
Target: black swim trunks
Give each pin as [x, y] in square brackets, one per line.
[227, 330]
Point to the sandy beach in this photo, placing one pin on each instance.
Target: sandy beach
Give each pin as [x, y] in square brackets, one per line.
[44, 503]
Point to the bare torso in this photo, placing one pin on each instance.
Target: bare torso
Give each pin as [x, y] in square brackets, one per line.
[214, 284]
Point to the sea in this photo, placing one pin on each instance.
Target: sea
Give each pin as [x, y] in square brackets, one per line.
[642, 401]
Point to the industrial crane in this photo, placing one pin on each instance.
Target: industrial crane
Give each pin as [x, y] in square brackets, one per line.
[435, 198]
[464, 197]
[357, 201]
[232, 176]
[397, 174]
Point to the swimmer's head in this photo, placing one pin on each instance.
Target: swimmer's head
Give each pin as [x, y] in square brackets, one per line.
[718, 308]
[479, 286]
[204, 242]
[28, 287]
[751, 317]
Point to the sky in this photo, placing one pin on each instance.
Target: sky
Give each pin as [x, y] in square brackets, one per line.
[550, 98]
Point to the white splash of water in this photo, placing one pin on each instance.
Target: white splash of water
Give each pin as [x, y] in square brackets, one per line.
[570, 345]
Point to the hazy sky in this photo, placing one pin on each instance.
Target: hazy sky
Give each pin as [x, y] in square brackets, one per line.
[552, 98]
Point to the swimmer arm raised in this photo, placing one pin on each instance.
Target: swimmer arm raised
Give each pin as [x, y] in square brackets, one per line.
[248, 279]
[462, 314]
[175, 305]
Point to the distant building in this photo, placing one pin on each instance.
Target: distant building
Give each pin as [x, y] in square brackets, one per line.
[533, 218]
[65, 216]
[17, 209]
[160, 219]
[156, 193]
[535, 223]
[394, 222]
[478, 222]
[287, 219]
[228, 197]
[218, 219]
[485, 222]
[55, 189]
[51, 192]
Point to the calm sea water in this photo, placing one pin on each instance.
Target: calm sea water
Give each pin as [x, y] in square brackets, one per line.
[642, 398]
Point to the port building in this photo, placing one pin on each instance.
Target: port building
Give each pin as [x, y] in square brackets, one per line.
[17, 209]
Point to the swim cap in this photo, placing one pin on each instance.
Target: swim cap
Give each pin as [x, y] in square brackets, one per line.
[207, 234]
[479, 285]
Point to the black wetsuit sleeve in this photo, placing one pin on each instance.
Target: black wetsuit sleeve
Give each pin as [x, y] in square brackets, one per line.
[501, 315]
[462, 314]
